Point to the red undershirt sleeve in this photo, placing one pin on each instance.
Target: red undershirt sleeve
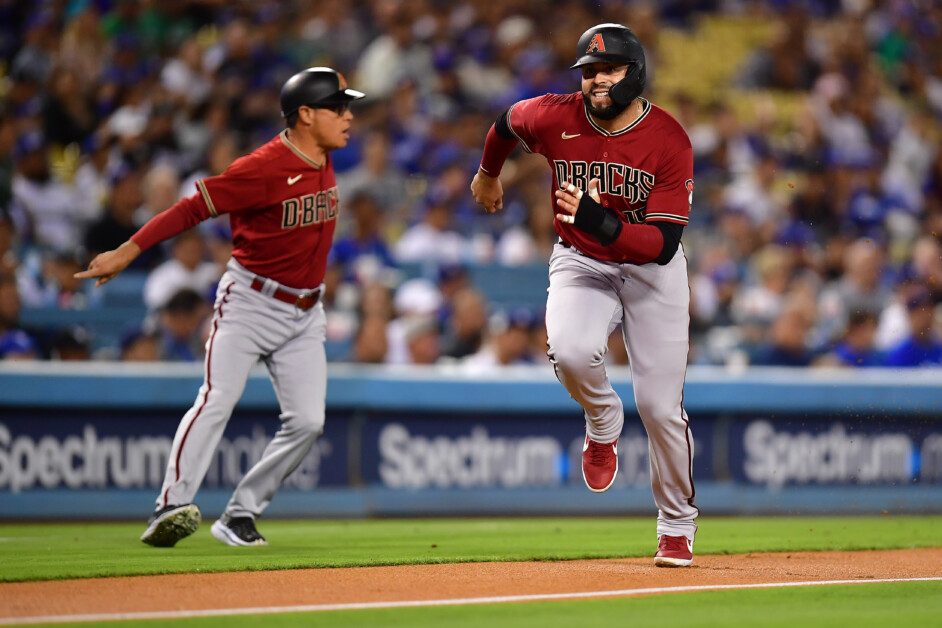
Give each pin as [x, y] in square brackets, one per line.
[638, 244]
[184, 214]
[496, 151]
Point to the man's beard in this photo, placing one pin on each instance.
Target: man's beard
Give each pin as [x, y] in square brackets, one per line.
[603, 113]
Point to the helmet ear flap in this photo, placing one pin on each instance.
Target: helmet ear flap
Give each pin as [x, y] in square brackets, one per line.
[630, 87]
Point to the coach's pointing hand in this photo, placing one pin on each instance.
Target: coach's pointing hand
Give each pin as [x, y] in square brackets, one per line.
[488, 191]
[108, 264]
[568, 199]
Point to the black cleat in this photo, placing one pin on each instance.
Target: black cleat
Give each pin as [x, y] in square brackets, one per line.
[237, 531]
[170, 524]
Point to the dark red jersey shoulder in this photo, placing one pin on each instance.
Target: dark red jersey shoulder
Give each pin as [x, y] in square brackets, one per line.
[243, 165]
[265, 153]
[273, 149]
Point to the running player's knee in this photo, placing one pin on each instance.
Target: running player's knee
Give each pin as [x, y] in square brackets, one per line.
[655, 407]
[305, 424]
[572, 357]
[312, 426]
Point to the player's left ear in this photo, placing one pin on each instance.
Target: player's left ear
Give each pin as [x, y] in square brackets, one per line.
[305, 116]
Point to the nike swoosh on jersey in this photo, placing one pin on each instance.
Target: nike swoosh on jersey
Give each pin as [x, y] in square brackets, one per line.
[566, 136]
[294, 179]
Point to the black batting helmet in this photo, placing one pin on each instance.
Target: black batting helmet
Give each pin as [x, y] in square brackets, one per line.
[614, 43]
[316, 87]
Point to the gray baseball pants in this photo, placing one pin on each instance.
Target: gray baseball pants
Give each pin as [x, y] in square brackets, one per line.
[586, 301]
[249, 326]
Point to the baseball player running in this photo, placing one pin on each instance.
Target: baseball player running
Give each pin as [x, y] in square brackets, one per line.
[282, 204]
[623, 185]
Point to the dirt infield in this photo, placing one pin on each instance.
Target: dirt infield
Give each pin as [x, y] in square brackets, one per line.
[438, 582]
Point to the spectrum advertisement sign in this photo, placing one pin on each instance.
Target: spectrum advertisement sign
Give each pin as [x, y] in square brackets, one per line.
[409, 452]
[796, 451]
[117, 451]
[401, 451]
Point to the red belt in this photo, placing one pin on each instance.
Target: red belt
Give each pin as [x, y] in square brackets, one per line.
[301, 301]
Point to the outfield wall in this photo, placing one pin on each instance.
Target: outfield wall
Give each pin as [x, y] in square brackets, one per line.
[91, 441]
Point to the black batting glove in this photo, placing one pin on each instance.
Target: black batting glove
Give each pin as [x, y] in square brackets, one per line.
[598, 222]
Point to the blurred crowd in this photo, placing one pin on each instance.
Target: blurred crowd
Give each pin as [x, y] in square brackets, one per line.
[814, 236]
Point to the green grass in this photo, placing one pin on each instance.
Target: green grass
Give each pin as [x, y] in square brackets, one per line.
[893, 604]
[56, 551]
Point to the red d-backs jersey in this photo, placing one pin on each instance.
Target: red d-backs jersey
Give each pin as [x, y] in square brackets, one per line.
[283, 211]
[645, 170]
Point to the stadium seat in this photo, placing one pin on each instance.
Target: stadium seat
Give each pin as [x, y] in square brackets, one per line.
[105, 325]
[125, 290]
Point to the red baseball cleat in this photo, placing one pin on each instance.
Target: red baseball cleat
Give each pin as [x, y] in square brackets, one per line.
[673, 551]
[599, 464]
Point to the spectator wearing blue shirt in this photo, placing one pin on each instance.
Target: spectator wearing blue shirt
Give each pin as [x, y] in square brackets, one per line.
[180, 326]
[923, 347]
[870, 204]
[18, 345]
[140, 345]
[856, 348]
[363, 254]
[787, 341]
[508, 342]
[14, 341]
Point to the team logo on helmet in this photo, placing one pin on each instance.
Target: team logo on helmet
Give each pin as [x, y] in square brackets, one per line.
[596, 45]
[342, 81]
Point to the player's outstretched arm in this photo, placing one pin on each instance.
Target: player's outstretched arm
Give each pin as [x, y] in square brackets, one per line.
[107, 265]
[488, 191]
[184, 214]
[486, 186]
